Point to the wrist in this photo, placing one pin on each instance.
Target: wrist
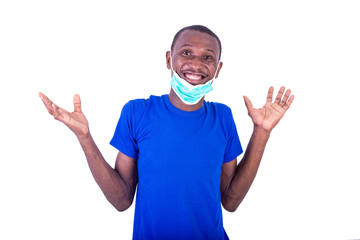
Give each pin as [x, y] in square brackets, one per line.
[259, 130]
[84, 137]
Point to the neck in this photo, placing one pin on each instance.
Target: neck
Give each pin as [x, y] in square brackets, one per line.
[176, 101]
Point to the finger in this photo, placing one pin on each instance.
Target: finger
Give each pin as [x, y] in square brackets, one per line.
[56, 113]
[270, 95]
[279, 95]
[46, 102]
[77, 103]
[285, 98]
[248, 104]
[289, 102]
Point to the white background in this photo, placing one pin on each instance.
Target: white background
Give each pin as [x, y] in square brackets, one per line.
[113, 51]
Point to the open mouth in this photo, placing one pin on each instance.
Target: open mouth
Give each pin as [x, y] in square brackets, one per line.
[194, 78]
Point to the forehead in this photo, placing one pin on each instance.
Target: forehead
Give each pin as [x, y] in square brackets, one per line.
[198, 40]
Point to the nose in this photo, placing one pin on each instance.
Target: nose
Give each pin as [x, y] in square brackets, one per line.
[195, 63]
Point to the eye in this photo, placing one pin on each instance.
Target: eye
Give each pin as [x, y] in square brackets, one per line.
[186, 53]
[209, 58]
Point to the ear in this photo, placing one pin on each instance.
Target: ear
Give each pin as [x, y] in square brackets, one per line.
[219, 68]
[168, 65]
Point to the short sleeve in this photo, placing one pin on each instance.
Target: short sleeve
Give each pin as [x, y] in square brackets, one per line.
[233, 147]
[123, 138]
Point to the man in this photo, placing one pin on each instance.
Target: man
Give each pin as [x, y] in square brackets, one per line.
[179, 150]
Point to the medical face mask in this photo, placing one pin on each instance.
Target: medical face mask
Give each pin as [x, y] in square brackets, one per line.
[188, 93]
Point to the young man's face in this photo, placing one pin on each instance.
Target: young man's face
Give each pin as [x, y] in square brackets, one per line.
[195, 57]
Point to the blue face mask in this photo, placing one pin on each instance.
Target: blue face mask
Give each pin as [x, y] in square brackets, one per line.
[188, 93]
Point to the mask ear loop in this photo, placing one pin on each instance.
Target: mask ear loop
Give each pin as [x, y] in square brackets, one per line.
[171, 66]
[216, 72]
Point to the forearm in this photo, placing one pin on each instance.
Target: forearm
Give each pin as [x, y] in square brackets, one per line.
[115, 188]
[246, 170]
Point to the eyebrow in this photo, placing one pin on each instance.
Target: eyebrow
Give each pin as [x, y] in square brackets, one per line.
[189, 45]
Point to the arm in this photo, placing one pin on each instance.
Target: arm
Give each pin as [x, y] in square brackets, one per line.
[119, 184]
[237, 179]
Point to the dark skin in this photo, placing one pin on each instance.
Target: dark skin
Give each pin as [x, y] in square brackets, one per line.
[195, 58]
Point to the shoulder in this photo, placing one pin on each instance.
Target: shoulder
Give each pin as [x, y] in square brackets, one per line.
[219, 108]
[140, 105]
[222, 113]
[145, 101]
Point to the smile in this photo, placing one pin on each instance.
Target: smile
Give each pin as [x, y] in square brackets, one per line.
[194, 78]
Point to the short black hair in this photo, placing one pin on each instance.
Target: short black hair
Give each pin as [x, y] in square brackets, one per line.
[198, 28]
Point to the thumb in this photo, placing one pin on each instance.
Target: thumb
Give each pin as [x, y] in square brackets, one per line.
[248, 103]
[77, 103]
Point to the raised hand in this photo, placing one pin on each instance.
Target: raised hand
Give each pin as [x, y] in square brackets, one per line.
[76, 120]
[270, 114]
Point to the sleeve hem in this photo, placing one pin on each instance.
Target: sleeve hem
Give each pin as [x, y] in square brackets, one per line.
[232, 157]
[124, 151]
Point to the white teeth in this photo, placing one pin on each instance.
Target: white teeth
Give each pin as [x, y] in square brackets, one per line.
[193, 76]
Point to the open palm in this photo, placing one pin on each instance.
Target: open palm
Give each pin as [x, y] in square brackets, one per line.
[270, 114]
[76, 120]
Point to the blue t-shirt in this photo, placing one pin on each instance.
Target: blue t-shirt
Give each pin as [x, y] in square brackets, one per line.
[179, 157]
